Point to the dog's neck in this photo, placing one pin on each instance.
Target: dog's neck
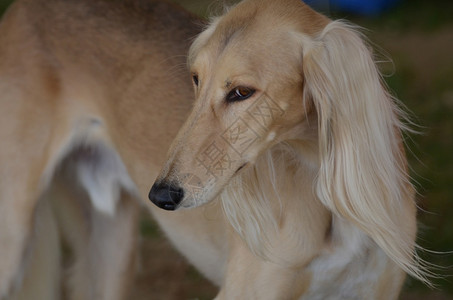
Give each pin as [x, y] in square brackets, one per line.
[276, 196]
[294, 228]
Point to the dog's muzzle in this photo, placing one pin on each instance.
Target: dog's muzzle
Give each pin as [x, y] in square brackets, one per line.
[166, 196]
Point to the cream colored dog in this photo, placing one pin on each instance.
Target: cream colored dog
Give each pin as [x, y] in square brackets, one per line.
[293, 129]
[292, 139]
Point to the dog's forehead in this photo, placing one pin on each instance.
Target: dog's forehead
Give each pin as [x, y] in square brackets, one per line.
[256, 34]
[261, 23]
[270, 16]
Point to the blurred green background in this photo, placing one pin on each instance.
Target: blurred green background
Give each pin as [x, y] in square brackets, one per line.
[418, 36]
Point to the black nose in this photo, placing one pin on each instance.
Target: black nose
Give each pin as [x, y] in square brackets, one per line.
[165, 195]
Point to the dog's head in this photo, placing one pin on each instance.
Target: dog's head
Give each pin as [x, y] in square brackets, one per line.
[247, 74]
[272, 71]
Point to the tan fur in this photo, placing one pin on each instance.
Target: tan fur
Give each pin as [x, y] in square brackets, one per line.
[93, 92]
[82, 80]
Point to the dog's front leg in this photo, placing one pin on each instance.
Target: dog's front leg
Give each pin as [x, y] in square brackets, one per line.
[252, 277]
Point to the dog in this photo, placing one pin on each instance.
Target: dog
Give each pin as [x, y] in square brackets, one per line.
[294, 134]
[292, 139]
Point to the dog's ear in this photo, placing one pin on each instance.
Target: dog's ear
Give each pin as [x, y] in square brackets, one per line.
[362, 175]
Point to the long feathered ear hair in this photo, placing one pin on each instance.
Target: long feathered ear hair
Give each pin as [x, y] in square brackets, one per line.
[363, 175]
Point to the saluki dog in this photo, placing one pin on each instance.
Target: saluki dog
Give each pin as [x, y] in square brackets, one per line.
[292, 139]
[294, 134]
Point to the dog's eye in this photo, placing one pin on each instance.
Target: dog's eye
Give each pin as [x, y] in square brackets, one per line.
[240, 93]
[195, 79]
